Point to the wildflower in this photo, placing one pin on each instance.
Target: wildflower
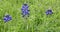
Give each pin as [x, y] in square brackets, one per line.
[25, 10]
[49, 12]
[7, 18]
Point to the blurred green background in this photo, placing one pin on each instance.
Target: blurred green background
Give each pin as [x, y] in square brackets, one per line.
[37, 21]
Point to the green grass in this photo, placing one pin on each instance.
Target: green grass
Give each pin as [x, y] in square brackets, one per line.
[38, 21]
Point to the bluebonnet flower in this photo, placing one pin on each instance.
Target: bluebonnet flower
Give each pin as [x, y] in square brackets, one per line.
[49, 12]
[25, 10]
[7, 18]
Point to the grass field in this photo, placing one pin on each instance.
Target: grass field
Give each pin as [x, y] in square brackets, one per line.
[37, 21]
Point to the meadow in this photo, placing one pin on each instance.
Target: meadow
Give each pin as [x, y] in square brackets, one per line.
[37, 21]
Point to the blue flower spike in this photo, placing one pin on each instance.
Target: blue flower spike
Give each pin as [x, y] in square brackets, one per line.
[7, 18]
[25, 10]
[49, 12]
